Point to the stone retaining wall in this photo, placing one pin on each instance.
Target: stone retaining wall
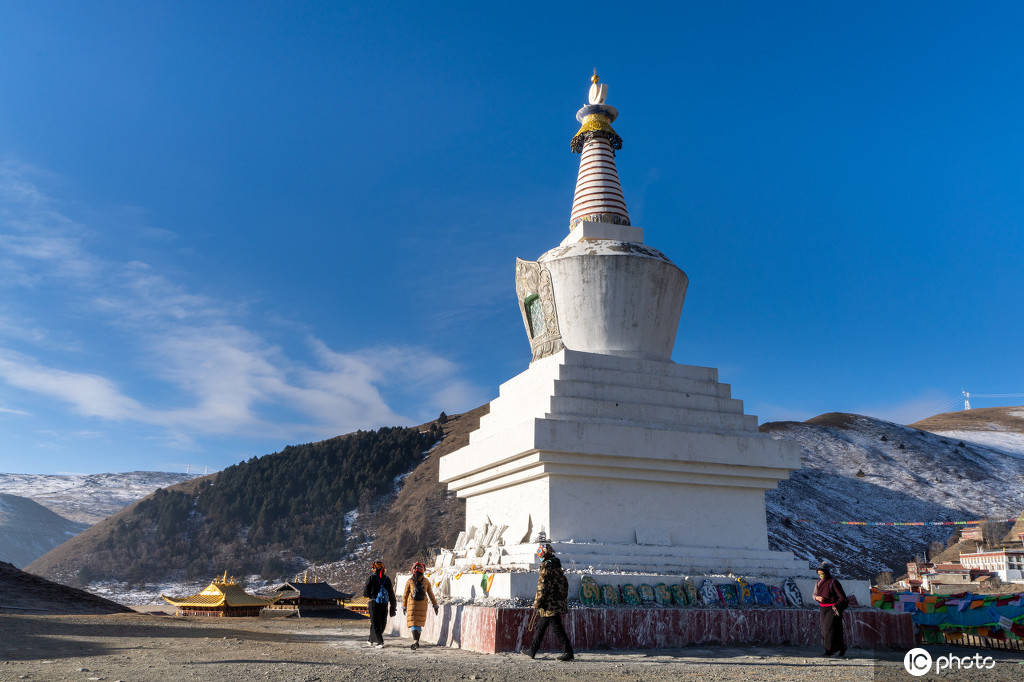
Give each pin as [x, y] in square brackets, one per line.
[489, 629]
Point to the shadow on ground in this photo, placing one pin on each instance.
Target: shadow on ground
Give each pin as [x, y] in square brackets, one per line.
[53, 637]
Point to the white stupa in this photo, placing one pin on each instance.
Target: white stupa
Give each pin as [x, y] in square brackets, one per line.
[624, 460]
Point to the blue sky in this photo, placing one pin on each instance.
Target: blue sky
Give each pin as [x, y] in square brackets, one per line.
[225, 227]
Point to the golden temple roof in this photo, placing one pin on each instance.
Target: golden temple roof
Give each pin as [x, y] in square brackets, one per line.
[221, 592]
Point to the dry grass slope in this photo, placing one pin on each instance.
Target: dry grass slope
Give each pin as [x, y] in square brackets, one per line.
[978, 419]
[424, 515]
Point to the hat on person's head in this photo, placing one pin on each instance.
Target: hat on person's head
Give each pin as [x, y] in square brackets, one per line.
[378, 566]
[544, 549]
[825, 568]
[418, 567]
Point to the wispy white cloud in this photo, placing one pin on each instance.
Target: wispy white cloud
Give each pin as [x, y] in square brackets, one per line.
[88, 394]
[224, 376]
[458, 395]
[12, 410]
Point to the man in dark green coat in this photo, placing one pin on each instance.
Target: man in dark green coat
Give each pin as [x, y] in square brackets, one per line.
[551, 602]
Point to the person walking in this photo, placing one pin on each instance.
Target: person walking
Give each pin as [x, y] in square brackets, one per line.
[381, 593]
[832, 602]
[414, 602]
[551, 602]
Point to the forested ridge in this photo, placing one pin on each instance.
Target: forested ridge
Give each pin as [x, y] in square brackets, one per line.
[265, 515]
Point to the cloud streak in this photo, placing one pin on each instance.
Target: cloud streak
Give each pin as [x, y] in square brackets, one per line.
[216, 373]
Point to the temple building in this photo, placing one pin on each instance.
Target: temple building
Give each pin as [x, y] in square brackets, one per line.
[222, 597]
[309, 598]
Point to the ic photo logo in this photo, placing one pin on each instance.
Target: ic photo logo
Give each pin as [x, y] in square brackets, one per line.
[919, 662]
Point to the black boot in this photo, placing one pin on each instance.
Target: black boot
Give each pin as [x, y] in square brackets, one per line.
[532, 653]
[416, 638]
[567, 656]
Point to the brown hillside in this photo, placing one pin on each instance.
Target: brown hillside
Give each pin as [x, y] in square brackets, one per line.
[1012, 537]
[952, 552]
[978, 419]
[424, 515]
[22, 592]
[839, 420]
[406, 526]
[61, 563]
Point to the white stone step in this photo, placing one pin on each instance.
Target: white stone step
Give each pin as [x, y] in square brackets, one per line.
[711, 553]
[506, 410]
[533, 399]
[614, 362]
[571, 388]
[746, 431]
[662, 382]
[669, 563]
[645, 414]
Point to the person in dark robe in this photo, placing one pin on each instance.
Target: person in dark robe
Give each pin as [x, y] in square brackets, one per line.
[832, 602]
[381, 594]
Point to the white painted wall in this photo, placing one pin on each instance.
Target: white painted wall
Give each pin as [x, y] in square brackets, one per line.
[513, 506]
[617, 298]
[606, 510]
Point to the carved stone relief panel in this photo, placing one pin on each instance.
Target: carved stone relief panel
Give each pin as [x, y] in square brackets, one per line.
[537, 305]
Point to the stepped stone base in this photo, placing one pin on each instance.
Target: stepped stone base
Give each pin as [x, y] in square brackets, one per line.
[489, 629]
[625, 465]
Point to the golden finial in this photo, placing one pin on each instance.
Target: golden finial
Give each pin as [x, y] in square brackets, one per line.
[594, 78]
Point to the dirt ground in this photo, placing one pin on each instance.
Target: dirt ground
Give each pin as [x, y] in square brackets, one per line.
[133, 647]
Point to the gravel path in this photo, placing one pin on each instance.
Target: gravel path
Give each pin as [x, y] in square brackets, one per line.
[150, 648]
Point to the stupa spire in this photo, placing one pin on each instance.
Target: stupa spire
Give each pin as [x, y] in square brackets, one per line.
[598, 195]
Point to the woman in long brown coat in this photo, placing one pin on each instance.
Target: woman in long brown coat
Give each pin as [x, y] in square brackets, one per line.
[414, 601]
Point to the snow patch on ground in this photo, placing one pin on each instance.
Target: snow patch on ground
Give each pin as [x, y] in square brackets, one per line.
[1008, 441]
[149, 593]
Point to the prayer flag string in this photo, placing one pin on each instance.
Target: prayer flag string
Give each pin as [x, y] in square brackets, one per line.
[902, 523]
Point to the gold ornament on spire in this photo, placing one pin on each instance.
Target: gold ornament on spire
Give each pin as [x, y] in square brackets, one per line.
[596, 118]
[598, 91]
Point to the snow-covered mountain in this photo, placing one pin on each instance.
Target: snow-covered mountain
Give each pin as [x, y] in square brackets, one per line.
[28, 530]
[88, 498]
[856, 468]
